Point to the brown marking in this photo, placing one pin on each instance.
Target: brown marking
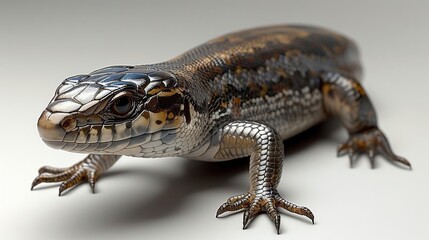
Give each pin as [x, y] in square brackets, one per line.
[146, 115]
[151, 104]
[358, 87]
[154, 87]
[333, 102]
[236, 107]
[282, 73]
[250, 49]
[264, 90]
[167, 93]
[157, 121]
[169, 102]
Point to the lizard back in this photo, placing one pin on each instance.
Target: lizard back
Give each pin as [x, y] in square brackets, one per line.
[270, 74]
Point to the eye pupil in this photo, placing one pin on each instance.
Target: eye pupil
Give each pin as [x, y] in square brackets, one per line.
[122, 105]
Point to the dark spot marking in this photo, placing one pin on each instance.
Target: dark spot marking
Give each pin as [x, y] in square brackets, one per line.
[167, 102]
[146, 115]
[175, 110]
[158, 122]
[151, 104]
[187, 111]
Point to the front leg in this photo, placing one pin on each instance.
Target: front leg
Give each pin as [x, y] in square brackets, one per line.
[265, 147]
[88, 169]
[345, 98]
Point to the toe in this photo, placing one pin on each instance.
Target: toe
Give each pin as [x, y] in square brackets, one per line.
[50, 178]
[342, 149]
[248, 216]
[52, 170]
[293, 208]
[272, 213]
[74, 180]
[234, 203]
[388, 152]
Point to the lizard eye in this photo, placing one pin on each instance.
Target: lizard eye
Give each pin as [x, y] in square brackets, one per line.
[122, 105]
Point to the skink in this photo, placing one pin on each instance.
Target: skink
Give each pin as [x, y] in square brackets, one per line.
[235, 96]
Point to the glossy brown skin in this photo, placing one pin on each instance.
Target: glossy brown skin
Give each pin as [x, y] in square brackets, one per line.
[241, 95]
[200, 68]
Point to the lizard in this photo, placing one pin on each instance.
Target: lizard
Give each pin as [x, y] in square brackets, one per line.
[238, 95]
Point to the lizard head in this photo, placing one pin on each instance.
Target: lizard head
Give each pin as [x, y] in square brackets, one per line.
[122, 110]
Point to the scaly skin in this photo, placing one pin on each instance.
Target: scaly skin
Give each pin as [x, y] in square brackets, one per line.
[235, 96]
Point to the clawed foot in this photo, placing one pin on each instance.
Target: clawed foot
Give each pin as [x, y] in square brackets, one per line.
[253, 204]
[371, 141]
[69, 177]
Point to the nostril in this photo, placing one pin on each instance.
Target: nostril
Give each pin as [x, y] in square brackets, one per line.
[68, 124]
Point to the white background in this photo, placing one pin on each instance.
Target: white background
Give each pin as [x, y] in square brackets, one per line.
[42, 42]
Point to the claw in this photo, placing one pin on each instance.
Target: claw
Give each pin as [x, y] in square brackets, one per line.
[64, 186]
[371, 155]
[221, 209]
[308, 214]
[34, 183]
[247, 218]
[350, 153]
[341, 150]
[277, 223]
[254, 208]
[403, 161]
[92, 178]
[387, 150]
[92, 185]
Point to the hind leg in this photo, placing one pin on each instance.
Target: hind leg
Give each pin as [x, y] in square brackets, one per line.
[345, 98]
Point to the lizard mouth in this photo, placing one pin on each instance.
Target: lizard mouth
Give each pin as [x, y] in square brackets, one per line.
[59, 131]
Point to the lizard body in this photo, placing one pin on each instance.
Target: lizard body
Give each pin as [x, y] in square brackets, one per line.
[238, 95]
